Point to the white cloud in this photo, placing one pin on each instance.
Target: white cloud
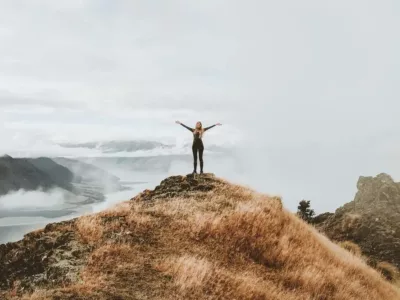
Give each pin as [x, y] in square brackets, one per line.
[29, 200]
[309, 80]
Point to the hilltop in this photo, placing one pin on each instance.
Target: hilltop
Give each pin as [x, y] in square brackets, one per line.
[189, 238]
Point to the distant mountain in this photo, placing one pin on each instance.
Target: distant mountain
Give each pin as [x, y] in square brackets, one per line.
[79, 183]
[22, 173]
[156, 163]
[78, 178]
[90, 175]
[59, 174]
[118, 146]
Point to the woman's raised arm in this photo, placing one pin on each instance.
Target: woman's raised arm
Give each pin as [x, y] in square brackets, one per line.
[187, 127]
[209, 127]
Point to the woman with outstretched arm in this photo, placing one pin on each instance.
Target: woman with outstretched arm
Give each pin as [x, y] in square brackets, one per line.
[198, 146]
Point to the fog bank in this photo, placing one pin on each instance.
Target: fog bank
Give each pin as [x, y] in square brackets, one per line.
[31, 200]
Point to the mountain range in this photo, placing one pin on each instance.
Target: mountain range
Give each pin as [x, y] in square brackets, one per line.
[73, 176]
[119, 146]
[32, 174]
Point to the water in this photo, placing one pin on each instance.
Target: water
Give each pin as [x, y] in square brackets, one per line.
[24, 212]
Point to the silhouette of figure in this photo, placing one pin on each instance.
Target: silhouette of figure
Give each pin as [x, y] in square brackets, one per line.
[198, 146]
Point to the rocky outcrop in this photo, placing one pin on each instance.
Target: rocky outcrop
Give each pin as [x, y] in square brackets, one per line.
[182, 186]
[321, 218]
[371, 220]
[50, 256]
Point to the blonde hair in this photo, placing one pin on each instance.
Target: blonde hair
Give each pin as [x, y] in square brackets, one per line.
[200, 131]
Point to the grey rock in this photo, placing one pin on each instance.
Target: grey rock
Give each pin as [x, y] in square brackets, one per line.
[371, 220]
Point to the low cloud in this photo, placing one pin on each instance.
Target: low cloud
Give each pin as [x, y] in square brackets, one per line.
[30, 200]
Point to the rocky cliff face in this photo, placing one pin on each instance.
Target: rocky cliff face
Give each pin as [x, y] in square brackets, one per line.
[189, 238]
[371, 220]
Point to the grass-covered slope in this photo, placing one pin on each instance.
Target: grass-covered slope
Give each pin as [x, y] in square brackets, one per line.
[189, 238]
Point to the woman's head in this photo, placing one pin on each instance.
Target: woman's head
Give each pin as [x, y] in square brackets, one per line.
[199, 125]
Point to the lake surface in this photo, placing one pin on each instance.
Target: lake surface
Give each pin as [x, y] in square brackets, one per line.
[16, 222]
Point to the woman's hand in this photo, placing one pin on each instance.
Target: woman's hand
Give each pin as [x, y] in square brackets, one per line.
[177, 122]
[218, 124]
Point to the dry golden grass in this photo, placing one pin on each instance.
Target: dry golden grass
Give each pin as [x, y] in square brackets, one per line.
[69, 226]
[88, 290]
[90, 228]
[37, 232]
[397, 283]
[197, 277]
[351, 247]
[389, 271]
[230, 243]
[292, 252]
[109, 257]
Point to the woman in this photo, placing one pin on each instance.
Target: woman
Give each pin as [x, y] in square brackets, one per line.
[198, 143]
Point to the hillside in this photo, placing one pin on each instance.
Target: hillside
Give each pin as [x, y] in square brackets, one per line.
[371, 220]
[90, 175]
[22, 173]
[189, 238]
[61, 175]
[79, 178]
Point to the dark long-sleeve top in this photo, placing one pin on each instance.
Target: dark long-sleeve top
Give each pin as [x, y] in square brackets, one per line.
[196, 136]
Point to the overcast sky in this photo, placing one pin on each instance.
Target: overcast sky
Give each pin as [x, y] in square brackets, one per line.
[312, 86]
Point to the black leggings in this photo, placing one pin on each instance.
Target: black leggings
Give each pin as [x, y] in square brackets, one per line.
[198, 147]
